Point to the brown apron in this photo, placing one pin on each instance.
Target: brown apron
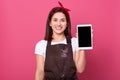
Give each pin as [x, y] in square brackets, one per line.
[59, 64]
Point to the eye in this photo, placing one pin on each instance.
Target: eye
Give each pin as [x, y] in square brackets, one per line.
[54, 20]
[63, 20]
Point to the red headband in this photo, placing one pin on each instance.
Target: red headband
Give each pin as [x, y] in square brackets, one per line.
[62, 6]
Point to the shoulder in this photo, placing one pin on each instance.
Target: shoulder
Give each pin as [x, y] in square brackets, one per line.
[74, 40]
[41, 43]
[40, 47]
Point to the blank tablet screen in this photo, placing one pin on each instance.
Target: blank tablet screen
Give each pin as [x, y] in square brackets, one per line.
[84, 36]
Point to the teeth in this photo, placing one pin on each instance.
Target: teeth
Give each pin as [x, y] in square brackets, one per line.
[58, 28]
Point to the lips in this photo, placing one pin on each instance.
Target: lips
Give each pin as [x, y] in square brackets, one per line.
[58, 27]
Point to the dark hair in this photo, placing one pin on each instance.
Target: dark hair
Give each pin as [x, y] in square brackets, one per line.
[49, 32]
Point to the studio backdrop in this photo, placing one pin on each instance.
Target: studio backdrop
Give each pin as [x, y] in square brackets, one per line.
[22, 25]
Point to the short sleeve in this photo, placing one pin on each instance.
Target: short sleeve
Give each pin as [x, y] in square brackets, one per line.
[75, 44]
[40, 47]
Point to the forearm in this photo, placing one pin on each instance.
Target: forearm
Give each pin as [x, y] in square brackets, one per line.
[39, 75]
[80, 61]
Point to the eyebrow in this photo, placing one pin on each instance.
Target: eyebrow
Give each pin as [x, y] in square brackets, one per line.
[57, 18]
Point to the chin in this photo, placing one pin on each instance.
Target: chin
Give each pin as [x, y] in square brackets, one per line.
[59, 32]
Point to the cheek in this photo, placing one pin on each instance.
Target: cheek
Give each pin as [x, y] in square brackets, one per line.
[65, 25]
[52, 24]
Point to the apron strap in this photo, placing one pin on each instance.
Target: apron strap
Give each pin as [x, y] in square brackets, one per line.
[49, 43]
[68, 40]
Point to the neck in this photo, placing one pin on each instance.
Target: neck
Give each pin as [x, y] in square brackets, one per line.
[57, 38]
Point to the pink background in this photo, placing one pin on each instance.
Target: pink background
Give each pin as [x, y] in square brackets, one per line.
[22, 25]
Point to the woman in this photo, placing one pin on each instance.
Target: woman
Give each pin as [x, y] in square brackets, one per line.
[57, 56]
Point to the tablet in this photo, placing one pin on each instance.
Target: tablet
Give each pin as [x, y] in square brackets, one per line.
[85, 36]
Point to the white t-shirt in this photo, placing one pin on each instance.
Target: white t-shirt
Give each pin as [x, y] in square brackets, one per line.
[40, 47]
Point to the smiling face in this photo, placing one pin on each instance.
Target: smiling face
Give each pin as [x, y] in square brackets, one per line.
[58, 23]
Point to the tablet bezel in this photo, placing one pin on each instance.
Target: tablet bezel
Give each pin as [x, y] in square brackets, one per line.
[85, 48]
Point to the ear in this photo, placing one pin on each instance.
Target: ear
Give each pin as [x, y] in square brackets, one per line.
[50, 24]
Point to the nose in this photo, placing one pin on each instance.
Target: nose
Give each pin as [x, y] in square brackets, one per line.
[59, 23]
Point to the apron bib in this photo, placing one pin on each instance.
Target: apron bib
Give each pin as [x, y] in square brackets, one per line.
[59, 64]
